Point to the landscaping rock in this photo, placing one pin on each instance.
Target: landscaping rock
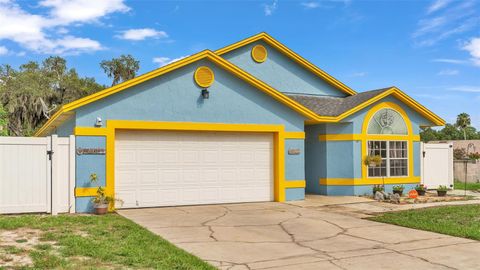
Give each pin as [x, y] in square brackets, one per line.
[379, 196]
[395, 198]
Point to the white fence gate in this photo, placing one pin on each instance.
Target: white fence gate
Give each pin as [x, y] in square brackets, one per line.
[37, 174]
[437, 164]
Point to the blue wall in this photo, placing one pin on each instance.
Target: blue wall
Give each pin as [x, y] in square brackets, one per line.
[281, 72]
[66, 129]
[359, 190]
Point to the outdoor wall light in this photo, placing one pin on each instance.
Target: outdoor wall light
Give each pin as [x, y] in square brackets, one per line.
[205, 93]
[98, 122]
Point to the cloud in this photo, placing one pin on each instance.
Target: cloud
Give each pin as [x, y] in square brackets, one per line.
[437, 5]
[163, 61]
[48, 33]
[359, 74]
[3, 50]
[270, 9]
[473, 47]
[448, 72]
[70, 11]
[310, 5]
[465, 88]
[455, 19]
[450, 61]
[142, 33]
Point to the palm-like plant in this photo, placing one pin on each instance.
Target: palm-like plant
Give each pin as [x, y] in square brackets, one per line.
[463, 122]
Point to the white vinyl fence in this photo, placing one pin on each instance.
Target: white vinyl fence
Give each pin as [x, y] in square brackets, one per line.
[437, 164]
[37, 175]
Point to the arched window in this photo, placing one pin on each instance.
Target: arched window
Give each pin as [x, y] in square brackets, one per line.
[387, 121]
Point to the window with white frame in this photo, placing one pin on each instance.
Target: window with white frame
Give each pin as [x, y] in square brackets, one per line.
[394, 153]
[394, 158]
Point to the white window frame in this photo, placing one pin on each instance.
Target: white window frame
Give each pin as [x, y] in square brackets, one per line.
[387, 159]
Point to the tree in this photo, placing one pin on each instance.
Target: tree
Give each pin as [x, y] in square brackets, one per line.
[121, 69]
[463, 121]
[30, 94]
[3, 122]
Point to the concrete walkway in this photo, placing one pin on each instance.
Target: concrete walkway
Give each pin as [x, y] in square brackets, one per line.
[313, 234]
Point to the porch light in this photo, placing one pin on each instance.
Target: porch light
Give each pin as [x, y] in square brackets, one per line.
[205, 93]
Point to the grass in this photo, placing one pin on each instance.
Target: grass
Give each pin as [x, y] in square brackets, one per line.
[95, 242]
[461, 220]
[470, 186]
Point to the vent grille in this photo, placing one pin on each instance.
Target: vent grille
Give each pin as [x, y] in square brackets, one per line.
[259, 54]
[204, 76]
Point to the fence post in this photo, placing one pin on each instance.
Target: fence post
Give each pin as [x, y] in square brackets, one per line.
[71, 176]
[49, 175]
[54, 176]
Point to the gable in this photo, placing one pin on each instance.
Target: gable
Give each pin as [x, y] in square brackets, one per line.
[283, 69]
[175, 97]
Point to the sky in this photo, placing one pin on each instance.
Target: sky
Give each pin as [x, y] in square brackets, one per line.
[428, 49]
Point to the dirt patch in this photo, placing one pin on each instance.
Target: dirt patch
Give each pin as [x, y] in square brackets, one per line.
[16, 244]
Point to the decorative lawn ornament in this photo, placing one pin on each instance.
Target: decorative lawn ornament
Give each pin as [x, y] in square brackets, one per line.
[413, 194]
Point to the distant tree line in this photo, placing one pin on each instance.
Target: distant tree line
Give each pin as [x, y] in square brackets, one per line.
[460, 130]
[30, 94]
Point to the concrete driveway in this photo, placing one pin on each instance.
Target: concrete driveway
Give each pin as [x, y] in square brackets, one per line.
[302, 235]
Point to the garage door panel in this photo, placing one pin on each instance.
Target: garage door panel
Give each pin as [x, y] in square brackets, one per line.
[186, 168]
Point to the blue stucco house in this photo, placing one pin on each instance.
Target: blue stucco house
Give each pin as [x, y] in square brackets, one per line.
[253, 121]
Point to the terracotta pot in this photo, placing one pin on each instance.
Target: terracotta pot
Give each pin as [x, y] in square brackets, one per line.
[441, 193]
[399, 192]
[100, 209]
[420, 192]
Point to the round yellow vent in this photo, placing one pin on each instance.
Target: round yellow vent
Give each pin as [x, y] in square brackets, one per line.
[204, 76]
[259, 53]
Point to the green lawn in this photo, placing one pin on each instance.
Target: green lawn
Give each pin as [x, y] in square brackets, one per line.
[87, 242]
[461, 220]
[470, 186]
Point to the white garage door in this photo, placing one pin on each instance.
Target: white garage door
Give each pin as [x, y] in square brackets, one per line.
[167, 168]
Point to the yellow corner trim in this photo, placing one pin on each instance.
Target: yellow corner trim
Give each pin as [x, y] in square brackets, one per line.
[294, 135]
[90, 131]
[295, 183]
[368, 181]
[292, 55]
[85, 191]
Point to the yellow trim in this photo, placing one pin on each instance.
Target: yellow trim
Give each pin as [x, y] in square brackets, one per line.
[295, 184]
[292, 55]
[360, 137]
[90, 131]
[199, 81]
[282, 98]
[294, 135]
[368, 181]
[85, 191]
[113, 125]
[254, 56]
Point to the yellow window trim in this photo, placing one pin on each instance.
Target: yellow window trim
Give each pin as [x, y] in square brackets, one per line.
[295, 184]
[282, 98]
[294, 135]
[292, 55]
[360, 137]
[112, 125]
[85, 191]
[369, 181]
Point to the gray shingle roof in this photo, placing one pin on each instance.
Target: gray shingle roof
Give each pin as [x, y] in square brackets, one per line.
[334, 106]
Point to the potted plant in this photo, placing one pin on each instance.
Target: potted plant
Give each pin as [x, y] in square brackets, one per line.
[377, 188]
[442, 191]
[398, 189]
[474, 156]
[373, 161]
[421, 189]
[101, 201]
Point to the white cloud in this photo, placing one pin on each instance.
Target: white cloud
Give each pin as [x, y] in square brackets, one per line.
[448, 72]
[3, 50]
[310, 5]
[142, 33]
[48, 33]
[270, 9]
[473, 47]
[163, 61]
[450, 61]
[465, 88]
[70, 11]
[437, 5]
